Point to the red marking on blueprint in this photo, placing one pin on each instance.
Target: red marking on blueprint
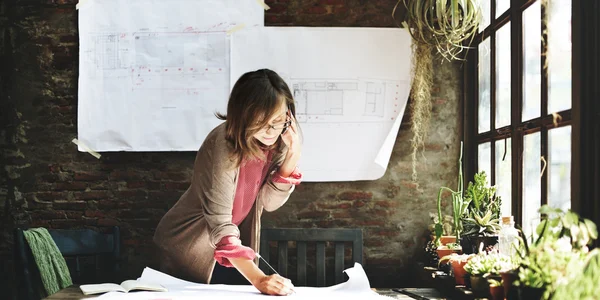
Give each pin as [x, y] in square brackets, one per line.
[179, 69]
[166, 70]
[191, 69]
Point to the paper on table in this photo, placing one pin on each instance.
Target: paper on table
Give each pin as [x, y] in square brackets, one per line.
[152, 73]
[350, 85]
[357, 287]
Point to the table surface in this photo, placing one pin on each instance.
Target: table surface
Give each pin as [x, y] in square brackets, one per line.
[74, 293]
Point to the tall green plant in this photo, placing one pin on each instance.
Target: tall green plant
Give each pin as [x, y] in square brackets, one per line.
[459, 205]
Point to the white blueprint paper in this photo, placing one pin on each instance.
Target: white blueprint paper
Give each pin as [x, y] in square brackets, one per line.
[152, 73]
[357, 287]
[350, 85]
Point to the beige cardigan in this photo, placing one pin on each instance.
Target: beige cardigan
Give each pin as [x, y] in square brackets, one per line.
[187, 234]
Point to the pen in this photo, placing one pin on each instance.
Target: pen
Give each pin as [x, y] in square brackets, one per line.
[273, 269]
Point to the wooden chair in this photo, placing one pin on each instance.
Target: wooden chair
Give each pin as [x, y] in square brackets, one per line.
[301, 237]
[75, 245]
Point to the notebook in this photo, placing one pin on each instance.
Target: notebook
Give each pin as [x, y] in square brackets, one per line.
[125, 287]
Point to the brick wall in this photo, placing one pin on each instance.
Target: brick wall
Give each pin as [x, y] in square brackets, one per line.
[44, 181]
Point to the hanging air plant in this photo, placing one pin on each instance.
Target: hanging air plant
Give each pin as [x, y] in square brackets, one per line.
[447, 26]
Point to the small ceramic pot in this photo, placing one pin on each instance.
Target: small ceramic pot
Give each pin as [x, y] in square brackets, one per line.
[530, 293]
[497, 292]
[479, 286]
[510, 291]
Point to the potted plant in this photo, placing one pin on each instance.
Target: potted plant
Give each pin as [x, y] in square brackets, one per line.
[484, 266]
[557, 254]
[457, 264]
[459, 208]
[585, 284]
[496, 289]
[446, 26]
[482, 220]
[448, 237]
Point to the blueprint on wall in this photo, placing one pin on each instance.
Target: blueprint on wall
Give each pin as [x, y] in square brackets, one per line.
[152, 73]
[350, 86]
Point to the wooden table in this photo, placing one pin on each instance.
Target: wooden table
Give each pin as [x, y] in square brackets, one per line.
[74, 293]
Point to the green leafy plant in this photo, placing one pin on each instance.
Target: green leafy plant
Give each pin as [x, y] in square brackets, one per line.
[447, 224]
[483, 215]
[485, 264]
[494, 282]
[558, 254]
[459, 205]
[585, 284]
[557, 224]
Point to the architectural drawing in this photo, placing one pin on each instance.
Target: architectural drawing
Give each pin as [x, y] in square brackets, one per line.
[331, 97]
[152, 75]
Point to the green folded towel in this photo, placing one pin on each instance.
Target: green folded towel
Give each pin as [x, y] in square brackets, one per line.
[52, 265]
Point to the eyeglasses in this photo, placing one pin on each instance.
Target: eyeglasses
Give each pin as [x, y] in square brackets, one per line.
[280, 126]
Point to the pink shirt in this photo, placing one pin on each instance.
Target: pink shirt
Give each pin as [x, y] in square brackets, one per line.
[252, 176]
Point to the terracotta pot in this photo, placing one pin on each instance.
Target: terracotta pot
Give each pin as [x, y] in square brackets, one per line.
[445, 239]
[497, 292]
[443, 251]
[458, 269]
[510, 291]
[479, 286]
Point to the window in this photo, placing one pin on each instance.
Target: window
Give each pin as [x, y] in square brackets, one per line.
[518, 113]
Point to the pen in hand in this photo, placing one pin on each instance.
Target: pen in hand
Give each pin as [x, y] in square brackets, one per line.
[273, 269]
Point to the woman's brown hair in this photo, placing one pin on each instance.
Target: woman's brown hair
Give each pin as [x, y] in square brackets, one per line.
[254, 99]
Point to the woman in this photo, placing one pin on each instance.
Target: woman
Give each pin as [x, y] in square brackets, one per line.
[244, 165]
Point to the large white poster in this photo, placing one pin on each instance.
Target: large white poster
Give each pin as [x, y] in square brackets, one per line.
[350, 85]
[152, 73]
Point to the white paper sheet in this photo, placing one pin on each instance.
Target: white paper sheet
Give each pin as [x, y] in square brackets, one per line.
[152, 73]
[350, 85]
[357, 287]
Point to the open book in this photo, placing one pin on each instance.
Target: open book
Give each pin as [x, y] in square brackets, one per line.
[125, 286]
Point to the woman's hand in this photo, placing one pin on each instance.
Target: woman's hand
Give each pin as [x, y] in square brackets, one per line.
[291, 138]
[274, 285]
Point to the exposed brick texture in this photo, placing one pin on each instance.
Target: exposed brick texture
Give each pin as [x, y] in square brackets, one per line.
[45, 181]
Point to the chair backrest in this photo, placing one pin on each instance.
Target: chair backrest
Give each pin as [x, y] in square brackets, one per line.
[302, 236]
[75, 245]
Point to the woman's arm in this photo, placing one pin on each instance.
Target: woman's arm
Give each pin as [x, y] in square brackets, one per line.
[291, 139]
[287, 176]
[266, 284]
[214, 183]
